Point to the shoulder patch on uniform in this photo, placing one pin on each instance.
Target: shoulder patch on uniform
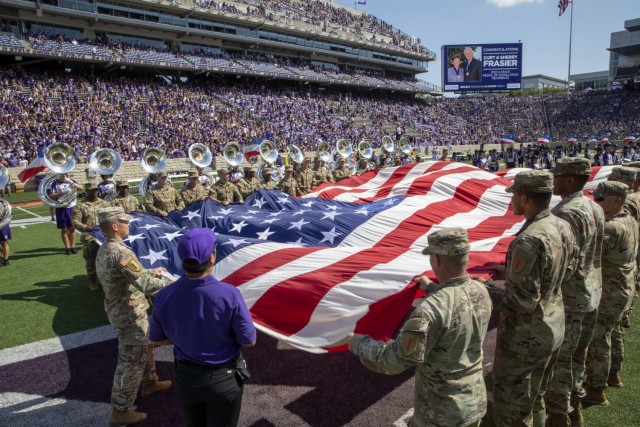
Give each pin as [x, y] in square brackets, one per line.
[130, 264]
[521, 260]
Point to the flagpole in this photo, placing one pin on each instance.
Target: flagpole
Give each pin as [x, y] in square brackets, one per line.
[570, 44]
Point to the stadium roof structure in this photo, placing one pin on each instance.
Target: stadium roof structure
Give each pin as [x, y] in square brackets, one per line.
[627, 43]
[179, 23]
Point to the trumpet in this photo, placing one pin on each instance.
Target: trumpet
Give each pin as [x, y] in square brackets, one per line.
[5, 207]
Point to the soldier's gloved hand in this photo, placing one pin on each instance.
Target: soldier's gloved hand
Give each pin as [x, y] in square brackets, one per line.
[499, 271]
[425, 284]
[159, 271]
[163, 213]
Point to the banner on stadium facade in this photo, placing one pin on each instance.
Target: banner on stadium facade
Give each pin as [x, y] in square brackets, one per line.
[486, 67]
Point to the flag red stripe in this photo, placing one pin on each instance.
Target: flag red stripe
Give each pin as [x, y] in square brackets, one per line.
[28, 173]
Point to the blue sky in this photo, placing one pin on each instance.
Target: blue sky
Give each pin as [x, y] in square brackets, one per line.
[535, 23]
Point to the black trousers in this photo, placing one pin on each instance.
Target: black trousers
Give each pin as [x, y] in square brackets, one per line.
[209, 396]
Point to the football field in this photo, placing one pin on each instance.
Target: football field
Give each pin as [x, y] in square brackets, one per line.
[58, 355]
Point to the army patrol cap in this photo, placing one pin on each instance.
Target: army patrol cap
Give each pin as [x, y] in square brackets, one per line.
[572, 166]
[249, 169]
[288, 168]
[307, 159]
[122, 183]
[111, 213]
[634, 164]
[91, 185]
[317, 159]
[448, 241]
[196, 246]
[223, 172]
[622, 174]
[611, 188]
[161, 174]
[532, 181]
[266, 171]
[193, 174]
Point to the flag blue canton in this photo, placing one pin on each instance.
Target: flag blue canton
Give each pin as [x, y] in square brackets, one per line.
[265, 216]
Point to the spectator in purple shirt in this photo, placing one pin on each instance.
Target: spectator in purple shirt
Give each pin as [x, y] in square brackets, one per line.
[208, 322]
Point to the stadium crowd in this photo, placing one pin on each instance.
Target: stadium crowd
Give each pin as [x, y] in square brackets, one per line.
[131, 112]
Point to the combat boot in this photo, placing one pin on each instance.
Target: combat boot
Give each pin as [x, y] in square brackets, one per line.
[557, 420]
[149, 389]
[119, 418]
[92, 285]
[575, 416]
[614, 380]
[595, 397]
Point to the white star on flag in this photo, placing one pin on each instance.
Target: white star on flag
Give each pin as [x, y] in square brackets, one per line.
[215, 217]
[298, 224]
[330, 235]
[274, 214]
[284, 200]
[171, 236]
[225, 211]
[133, 220]
[265, 234]
[258, 203]
[302, 212]
[133, 237]
[191, 215]
[269, 221]
[236, 242]
[333, 208]
[155, 256]
[238, 226]
[362, 211]
[150, 226]
[308, 204]
[297, 242]
[331, 215]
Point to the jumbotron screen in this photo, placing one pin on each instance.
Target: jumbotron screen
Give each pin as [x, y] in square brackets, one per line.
[482, 67]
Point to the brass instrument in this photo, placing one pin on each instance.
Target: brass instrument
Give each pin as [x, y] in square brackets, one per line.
[5, 207]
[269, 155]
[60, 158]
[106, 161]
[153, 160]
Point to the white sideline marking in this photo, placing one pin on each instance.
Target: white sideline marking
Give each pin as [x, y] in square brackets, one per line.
[55, 345]
[29, 212]
[403, 421]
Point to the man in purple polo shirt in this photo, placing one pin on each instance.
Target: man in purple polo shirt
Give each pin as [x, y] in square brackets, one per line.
[208, 322]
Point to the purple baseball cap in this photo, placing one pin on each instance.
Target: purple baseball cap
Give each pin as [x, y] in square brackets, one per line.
[196, 246]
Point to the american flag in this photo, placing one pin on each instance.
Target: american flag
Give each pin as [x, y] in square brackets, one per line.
[563, 5]
[340, 259]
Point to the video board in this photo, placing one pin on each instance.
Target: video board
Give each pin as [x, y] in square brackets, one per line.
[482, 67]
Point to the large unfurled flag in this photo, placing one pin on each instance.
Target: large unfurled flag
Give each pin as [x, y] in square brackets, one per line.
[631, 137]
[508, 139]
[36, 166]
[341, 259]
[598, 174]
[563, 5]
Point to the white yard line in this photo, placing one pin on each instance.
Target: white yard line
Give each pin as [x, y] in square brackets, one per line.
[29, 212]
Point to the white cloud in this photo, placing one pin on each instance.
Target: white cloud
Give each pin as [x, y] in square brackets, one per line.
[509, 3]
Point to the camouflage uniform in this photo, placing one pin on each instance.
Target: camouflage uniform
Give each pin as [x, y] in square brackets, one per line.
[248, 187]
[85, 214]
[165, 199]
[128, 203]
[305, 180]
[289, 186]
[269, 184]
[126, 285]
[627, 176]
[226, 192]
[321, 175]
[580, 292]
[619, 268]
[341, 173]
[443, 340]
[531, 322]
[191, 196]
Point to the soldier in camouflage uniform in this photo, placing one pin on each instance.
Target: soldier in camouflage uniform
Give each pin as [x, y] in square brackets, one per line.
[320, 173]
[531, 322]
[268, 184]
[341, 172]
[633, 197]
[619, 253]
[163, 198]
[363, 167]
[249, 183]
[580, 292]
[84, 218]
[224, 191]
[288, 184]
[627, 176]
[442, 339]
[126, 201]
[126, 286]
[193, 192]
[305, 176]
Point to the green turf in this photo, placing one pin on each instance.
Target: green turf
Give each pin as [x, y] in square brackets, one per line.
[43, 293]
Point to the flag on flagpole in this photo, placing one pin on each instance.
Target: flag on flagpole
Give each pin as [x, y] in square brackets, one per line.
[572, 139]
[508, 139]
[544, 139]
[36, 166]
[563, 5]
[631, 137]
[252, 148]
